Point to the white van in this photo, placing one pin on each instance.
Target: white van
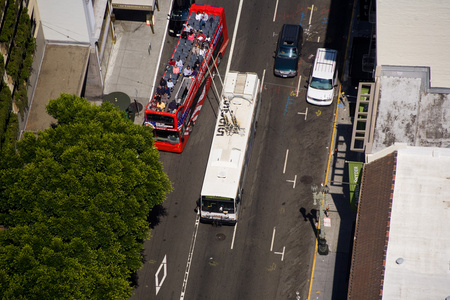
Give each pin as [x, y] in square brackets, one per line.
[323, 78]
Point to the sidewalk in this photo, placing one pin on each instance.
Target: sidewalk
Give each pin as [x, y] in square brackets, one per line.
[134, 60]
[331, 271]
[330, 274]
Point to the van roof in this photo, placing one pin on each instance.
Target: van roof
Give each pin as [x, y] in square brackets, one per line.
[325, 63]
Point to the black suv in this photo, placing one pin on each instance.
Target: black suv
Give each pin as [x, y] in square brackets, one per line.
[179, 15]
[288, 50]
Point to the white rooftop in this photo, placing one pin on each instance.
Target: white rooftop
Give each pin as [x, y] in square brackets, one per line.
[64, 21]
[227, 155]
[325, 63]
[415, 33]
[419, 227]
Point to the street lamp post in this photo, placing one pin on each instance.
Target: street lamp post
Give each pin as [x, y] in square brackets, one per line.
[321, 197]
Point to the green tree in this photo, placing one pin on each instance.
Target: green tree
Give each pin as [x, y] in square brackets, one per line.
[75, 199]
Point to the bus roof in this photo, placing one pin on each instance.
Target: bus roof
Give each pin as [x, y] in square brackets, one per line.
[228, 150]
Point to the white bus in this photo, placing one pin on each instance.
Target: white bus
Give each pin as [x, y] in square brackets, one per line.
[230, 150]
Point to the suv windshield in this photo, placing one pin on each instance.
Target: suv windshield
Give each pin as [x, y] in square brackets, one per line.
[288, 52]
[179, 15]
[218, 205]
[321, 84]
[166, 136]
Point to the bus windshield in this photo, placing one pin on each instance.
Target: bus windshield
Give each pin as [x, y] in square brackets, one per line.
[222, 205]
[167, 136]
[161, 120]
[321, 84]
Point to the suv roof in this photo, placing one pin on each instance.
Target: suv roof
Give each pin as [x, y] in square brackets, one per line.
[290, 34]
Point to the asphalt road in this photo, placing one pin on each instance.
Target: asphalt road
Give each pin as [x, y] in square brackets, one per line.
[269, 254]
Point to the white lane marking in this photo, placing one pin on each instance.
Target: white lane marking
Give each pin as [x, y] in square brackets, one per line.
[318, 39]
[273, 238]
[298, 85]
[282, 253]
[275, 13]
[159, 57]
[157, 283]
[294, 181]
[189, 260]
[305, 113]
[262, 81]
[234, 235]
[233, 40]
[310, 16]
[285, 161]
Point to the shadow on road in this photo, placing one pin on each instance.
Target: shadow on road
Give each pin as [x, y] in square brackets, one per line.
[155, 215]
[311, 217]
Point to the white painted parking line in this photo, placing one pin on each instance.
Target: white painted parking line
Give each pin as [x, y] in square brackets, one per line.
[298, 85]
[294, 181]
[285, 161]
[310, 16]
[273, 238]
[282, 253]
[275, 12]
[305, 113]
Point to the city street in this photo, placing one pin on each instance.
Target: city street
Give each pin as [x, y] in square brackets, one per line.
[270, 253]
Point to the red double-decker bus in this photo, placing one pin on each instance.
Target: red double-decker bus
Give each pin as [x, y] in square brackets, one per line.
[173, 114]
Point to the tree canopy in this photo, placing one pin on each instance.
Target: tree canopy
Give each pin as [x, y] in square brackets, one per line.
[75, 200]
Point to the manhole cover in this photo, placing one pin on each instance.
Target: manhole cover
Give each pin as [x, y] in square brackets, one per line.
[220, 236]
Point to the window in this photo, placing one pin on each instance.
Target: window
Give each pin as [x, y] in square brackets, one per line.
[287, 52]
[167, 136]
[158, 118]
[321, 84]
[218, 205]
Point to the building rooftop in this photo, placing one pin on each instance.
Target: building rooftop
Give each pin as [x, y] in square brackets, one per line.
[408, 114]
[62, 71]
[401, 247]
[64, 21]
[415, 33]
[418, 232]
[371, 231]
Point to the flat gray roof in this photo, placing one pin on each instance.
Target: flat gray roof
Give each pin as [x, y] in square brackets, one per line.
[415, 33]
[407, 114]
[64, 21]
[419, 226]
[63, 70]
